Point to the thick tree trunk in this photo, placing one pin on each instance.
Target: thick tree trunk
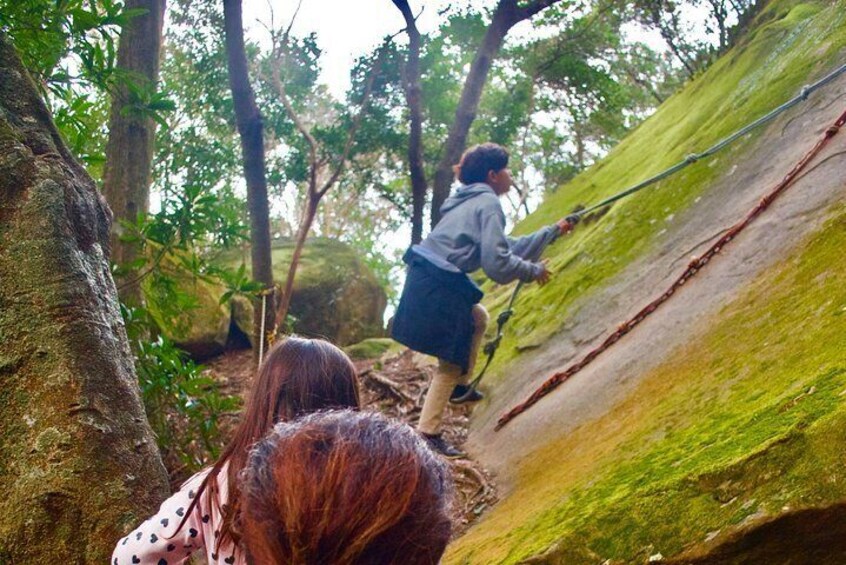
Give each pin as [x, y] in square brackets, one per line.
[506, 16]
[250, 128]
[129, 152]
[78, 462]
[411, 85]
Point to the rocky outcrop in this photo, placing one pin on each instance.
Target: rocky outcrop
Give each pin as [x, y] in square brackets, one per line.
[716, 426]
[336, 296]
[201, 329]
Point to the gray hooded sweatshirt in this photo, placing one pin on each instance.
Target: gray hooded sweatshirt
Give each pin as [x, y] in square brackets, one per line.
[471, 234]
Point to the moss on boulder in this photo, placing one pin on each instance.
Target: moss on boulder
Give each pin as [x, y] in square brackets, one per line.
[372, 348]
[201, 328]
[335, 296]
[730, 432]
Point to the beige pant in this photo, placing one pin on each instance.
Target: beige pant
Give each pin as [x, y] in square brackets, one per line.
[449, 375]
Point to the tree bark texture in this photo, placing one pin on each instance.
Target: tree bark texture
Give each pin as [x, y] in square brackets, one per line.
[411, 85]
[78, 462]
[129, 151]
[251, 131]
[507, 14]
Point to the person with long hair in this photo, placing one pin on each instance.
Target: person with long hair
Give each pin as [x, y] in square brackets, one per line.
[344, 488]
[298, 376]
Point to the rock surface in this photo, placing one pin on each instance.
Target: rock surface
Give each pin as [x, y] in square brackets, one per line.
[723, 412]
[336, 296]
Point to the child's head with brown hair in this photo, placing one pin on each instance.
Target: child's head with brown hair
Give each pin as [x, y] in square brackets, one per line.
[345, 488]
[298, 376]
[479, 161]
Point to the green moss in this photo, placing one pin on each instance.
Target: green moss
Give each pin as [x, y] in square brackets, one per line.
[745, 422]
[372, 348]
[792, 42]
[187, 308]
[336, 295]
[323, 260]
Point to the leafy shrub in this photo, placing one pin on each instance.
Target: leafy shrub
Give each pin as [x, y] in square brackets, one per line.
[185, 407]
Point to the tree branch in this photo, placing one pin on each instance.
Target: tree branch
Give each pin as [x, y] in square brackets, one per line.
[533, 8]
[280, 58]
[365, 100]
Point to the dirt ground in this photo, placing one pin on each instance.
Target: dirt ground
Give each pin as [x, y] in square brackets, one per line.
[394, 385]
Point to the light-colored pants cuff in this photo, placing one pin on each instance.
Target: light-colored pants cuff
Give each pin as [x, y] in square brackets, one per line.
[449, 375]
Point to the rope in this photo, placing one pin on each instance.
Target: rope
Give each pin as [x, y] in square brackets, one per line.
[263, 320]
[694, 157]
[695, 266]
[491, 346]
[262, 337]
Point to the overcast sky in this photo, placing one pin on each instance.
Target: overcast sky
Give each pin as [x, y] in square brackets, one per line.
[347, 29]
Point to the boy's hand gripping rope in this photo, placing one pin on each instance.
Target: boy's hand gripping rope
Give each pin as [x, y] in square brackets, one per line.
[571, 220]
[696, 265]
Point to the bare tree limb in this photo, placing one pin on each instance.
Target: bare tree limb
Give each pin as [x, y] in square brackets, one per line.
[365, 100]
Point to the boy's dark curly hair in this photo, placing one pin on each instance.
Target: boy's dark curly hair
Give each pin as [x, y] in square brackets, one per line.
[478, 160]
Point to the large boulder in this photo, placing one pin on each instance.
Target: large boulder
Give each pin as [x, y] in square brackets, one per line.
[335, 296]
[198, 322]
[714, 431]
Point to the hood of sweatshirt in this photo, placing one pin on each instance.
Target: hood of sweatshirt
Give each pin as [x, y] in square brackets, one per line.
[464, 193]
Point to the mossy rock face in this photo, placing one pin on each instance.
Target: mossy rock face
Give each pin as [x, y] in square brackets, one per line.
[202, 328]
[372, 348]
[727, 444]
[336, 295]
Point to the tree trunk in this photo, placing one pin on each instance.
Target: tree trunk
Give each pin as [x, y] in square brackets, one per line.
[580, 148]
[250, 128]
[411, 85]
[302, 234]
[506, 16]
[129, 151]
[78, 462]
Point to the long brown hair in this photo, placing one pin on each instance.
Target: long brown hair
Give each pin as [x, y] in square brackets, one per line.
[298, 376]
[346, 488]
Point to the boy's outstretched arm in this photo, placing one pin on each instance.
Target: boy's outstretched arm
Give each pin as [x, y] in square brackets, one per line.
[499, 261]
[530, 246]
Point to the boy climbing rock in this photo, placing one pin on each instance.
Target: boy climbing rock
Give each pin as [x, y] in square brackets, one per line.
[439, 312]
